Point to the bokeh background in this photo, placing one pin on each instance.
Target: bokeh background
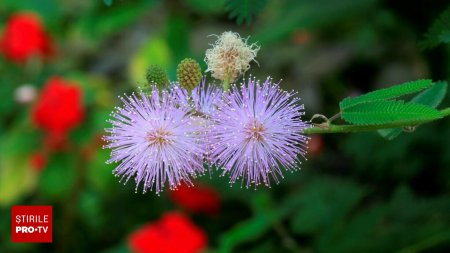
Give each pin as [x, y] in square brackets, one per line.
[63, 64]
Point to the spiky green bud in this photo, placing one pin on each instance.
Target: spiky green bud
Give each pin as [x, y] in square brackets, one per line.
[156, 75]
[189, 74]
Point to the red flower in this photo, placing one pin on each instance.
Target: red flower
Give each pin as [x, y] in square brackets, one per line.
[198, 199]
[58, 110]
[173, 233]
[316, 144]
[24, 37]
[38, 161]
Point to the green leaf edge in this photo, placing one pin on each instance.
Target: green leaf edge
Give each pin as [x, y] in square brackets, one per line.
[386, 93]
[385, 112]
[439, 87]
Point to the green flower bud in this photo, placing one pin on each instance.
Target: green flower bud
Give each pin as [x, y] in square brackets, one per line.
[157, 76]
[189, 74]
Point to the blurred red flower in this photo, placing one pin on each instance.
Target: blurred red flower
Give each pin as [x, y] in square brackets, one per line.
[173, 233]
[24, 36]
[58, 109]
[197, 199]
[316, 144]
[38, 161]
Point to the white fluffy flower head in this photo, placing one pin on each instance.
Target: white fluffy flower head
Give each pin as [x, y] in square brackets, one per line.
[230, 56]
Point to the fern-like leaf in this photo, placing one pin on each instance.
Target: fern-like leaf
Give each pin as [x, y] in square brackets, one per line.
[432, 97]
[439, 32]
[244, 10]
[387, 93]
[390, 133]
[385, 112]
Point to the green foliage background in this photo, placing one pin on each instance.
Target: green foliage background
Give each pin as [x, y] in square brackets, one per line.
[356, 193]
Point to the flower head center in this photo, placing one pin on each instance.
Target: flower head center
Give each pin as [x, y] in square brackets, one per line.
[255, 130]
[159, 137]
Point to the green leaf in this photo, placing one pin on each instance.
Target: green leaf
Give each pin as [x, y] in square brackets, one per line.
[245, 231]
[7, 103]
[445, 36]
[439, 32]
[325, 203]
[286, 17]
[17, 178]
[207, 7]
[384, 112]
[391, 226]
[266, 214]
[154, 51]
[58, 178]
[390, 133]
[99, 24]
[387, 93]
[48, 10]
[90, 210]
[432, 96]
[177, 37]
[121, 248]
[99, 174]
[108, 2]
[244, 10]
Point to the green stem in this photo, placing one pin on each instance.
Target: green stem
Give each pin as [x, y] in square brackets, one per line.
[332, 129]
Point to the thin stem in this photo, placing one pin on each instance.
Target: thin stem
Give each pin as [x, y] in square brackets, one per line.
[336, 116]
[360, 128]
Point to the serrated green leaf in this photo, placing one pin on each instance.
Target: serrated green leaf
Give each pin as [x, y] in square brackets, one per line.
[432, 97]
[384, 112]
[387, 93]
[439, 32]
